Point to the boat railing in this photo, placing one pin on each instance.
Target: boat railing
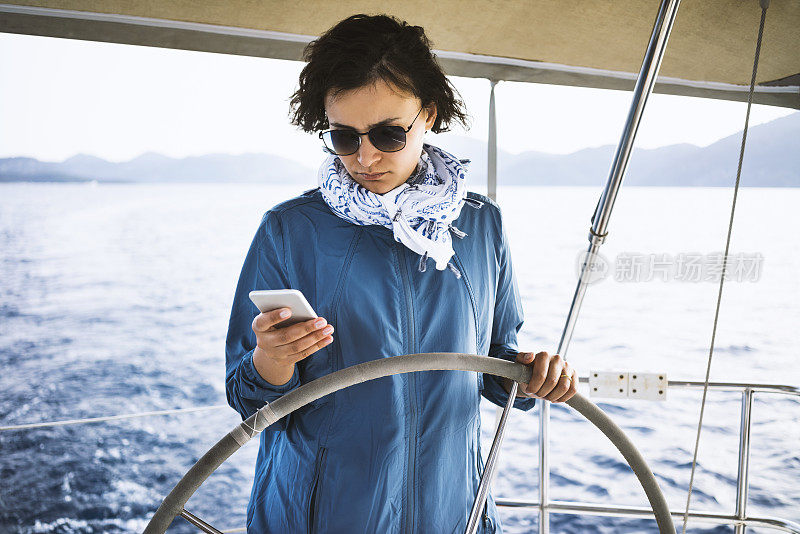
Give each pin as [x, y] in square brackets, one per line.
[739, 519]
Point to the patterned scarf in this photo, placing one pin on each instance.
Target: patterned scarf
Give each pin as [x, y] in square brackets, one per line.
[419, 211]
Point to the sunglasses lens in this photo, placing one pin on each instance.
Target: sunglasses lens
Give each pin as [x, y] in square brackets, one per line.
[340, 142]
[388, 138]
[384, 138]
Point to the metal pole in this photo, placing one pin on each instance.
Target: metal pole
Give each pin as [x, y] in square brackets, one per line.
[544, 466]
[491, 190]
[744, 460]
[199, 523]
[502, 415]
[599, 230]
[602, 214]
[644, 86]
[491, 460]
[491, 174]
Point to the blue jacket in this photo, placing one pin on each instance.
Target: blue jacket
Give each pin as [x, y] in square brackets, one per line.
[400, 454]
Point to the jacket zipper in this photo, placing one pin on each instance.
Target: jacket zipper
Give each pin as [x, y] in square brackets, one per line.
[471, 296]
[412, 393]
[312, 504]
[465, 278]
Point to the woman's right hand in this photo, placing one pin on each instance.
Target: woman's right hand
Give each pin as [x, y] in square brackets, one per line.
[278, 349]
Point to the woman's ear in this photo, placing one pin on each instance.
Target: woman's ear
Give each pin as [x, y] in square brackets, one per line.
[431, 118]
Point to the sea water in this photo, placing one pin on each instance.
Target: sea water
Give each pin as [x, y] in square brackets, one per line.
[114, 298]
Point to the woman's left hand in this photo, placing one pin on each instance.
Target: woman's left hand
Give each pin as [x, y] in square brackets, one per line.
[552, 378]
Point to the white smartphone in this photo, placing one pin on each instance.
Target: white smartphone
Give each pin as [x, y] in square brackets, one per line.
[272, 299]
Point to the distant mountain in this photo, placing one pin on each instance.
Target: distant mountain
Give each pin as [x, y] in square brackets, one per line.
[153, 167]
[772, 159]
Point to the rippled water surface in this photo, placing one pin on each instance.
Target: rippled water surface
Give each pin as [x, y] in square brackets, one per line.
[115, 299]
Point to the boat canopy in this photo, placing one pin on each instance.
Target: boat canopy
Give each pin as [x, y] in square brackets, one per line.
[587, 43]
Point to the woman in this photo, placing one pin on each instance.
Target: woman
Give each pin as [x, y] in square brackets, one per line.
[401, 453]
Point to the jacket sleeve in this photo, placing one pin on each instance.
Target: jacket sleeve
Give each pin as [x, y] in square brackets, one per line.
[263, 268]
[508, 319]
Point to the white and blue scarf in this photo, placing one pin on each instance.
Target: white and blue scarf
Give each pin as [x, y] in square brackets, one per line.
[419, 211]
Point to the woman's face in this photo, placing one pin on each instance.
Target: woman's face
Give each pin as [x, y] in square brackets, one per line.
[363, 108]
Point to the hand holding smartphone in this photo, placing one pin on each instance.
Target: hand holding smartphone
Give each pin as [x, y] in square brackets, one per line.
[271, 299]
[283, 341]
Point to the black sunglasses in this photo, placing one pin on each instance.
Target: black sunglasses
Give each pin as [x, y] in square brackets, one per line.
[384, 138]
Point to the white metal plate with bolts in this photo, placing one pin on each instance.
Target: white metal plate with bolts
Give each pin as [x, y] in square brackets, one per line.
[628, 385]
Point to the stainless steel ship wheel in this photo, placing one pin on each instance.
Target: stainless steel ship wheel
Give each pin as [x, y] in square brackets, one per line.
[172, 506]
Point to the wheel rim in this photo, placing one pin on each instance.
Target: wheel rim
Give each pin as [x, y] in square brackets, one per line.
[172, 505]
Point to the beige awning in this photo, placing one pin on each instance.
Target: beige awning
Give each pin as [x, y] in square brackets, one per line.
[591, 43]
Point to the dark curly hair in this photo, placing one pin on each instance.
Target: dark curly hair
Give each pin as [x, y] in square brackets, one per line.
[363, 49]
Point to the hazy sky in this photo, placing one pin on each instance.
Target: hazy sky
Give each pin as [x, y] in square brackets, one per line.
[60, 97]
